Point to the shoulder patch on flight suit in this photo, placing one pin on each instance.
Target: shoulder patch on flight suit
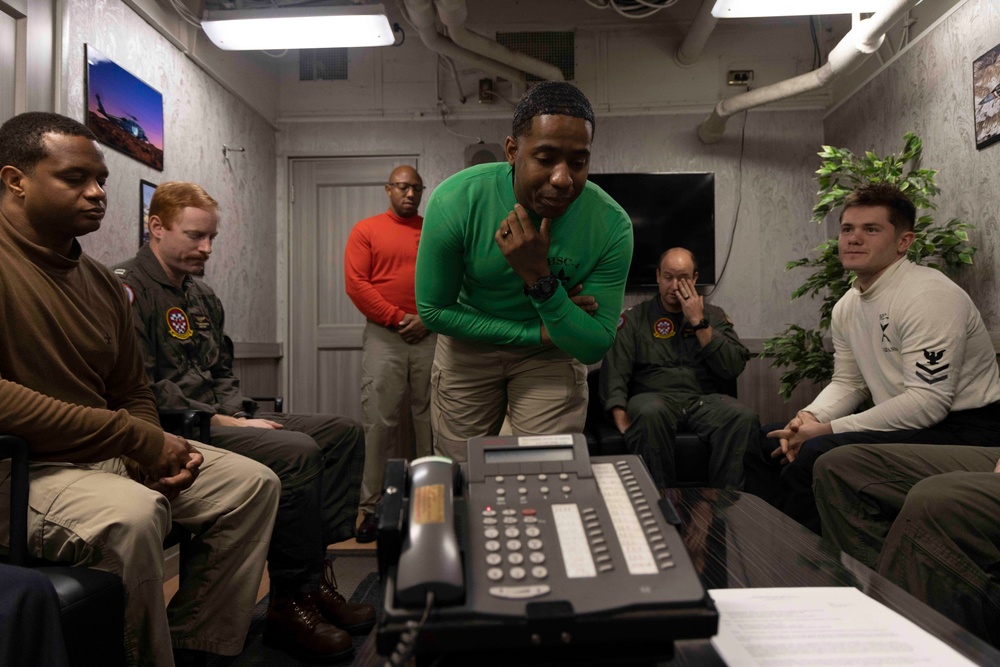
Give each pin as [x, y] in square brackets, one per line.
[664, 328]
[621, 320]
[178, 324]
[129, 292]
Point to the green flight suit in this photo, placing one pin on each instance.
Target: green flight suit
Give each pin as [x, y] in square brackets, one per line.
[319, 458]
[664, 379]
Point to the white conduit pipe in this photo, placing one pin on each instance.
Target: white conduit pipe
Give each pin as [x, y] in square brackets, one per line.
[856, 46]
[697, 35]
[453, 14]
[421, 13]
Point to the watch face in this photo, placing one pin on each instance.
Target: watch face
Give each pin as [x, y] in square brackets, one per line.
[544, 288]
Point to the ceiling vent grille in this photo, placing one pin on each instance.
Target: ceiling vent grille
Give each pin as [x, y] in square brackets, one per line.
[555, 48]
[322, 64]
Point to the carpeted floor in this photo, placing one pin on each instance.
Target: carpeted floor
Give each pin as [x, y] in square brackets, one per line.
[255, 654]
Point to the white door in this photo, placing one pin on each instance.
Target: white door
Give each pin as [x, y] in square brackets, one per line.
[328, 197]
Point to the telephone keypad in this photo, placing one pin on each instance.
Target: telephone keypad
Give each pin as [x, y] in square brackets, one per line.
[513, 560]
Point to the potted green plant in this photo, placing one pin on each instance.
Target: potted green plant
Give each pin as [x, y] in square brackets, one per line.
[943, 246]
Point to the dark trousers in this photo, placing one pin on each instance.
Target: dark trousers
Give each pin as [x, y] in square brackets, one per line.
[789, 487]
[30, 625]
[720, 420]
[319, 459]
[923, 516]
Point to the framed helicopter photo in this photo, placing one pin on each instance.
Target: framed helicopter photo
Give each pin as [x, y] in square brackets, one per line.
[123, 111]
[986, 97]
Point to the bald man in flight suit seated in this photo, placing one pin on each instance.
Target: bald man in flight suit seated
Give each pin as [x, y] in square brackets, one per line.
[671, 354]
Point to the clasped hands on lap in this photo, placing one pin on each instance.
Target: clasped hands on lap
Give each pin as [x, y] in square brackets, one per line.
[802, 427]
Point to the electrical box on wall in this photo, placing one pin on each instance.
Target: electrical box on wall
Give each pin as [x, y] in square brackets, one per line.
[740, 77]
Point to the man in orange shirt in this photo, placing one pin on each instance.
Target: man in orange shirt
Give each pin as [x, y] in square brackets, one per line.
[379, 264]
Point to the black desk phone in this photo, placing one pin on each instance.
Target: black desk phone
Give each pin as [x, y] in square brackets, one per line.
[533, 553]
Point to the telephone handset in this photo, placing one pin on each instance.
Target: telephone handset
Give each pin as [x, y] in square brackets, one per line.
[430, 560]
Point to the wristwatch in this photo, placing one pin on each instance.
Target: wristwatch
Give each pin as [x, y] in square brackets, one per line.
[543, 288]
[702, 324]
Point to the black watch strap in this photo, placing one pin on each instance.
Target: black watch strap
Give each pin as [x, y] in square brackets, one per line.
[543, 289]
[702, 324]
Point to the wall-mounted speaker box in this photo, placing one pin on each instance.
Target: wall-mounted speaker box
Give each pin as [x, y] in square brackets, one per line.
[482, 153]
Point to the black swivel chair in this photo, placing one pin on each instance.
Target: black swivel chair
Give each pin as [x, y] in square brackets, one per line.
[92, 602]
[691, 453]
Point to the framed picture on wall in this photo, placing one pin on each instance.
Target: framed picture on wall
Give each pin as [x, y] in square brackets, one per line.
[986, 97]
[145, 196]
[124, 112]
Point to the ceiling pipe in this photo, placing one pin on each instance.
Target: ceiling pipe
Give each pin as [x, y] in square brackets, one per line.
[697, 36]
[453, 14]
[857, 46]
[421, 15]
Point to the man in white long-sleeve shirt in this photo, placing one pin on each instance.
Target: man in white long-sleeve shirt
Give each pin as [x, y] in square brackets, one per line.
[904, 335]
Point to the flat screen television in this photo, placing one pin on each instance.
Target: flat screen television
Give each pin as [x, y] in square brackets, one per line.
[667, 210]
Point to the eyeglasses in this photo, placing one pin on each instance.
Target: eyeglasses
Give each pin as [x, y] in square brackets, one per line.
[403, 187]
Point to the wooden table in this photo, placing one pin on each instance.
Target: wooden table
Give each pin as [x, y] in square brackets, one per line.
[737, 540]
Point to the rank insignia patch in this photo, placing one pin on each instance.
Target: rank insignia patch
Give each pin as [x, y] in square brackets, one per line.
[178, 324]
[664, 328]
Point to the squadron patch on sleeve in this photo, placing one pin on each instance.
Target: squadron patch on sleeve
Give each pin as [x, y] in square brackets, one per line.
[129, 292]
[178, 324]
[664, 328]
[621, 320]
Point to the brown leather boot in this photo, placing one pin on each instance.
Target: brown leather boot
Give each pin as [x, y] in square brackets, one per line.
[354, 618]
[296, 626]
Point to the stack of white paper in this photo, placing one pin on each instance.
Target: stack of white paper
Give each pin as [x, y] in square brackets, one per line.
[770, 627]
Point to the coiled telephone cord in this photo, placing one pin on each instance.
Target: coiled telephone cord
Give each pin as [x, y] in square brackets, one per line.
[408, 639]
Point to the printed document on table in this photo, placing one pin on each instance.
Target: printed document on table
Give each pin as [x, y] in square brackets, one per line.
[771, 627]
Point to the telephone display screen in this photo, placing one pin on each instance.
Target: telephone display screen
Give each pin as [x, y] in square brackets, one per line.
[528, 455]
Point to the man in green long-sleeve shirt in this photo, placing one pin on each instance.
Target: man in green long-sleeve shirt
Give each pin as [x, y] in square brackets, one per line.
[521, 269]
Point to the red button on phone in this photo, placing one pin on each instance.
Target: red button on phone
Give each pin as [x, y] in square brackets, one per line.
[528, 512]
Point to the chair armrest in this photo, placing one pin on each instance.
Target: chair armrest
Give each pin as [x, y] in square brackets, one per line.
[279, 402]
[190, 424]
[16, 449]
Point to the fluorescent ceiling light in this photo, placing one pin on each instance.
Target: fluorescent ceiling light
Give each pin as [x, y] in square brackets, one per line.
[298, 28]
[740, 9]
